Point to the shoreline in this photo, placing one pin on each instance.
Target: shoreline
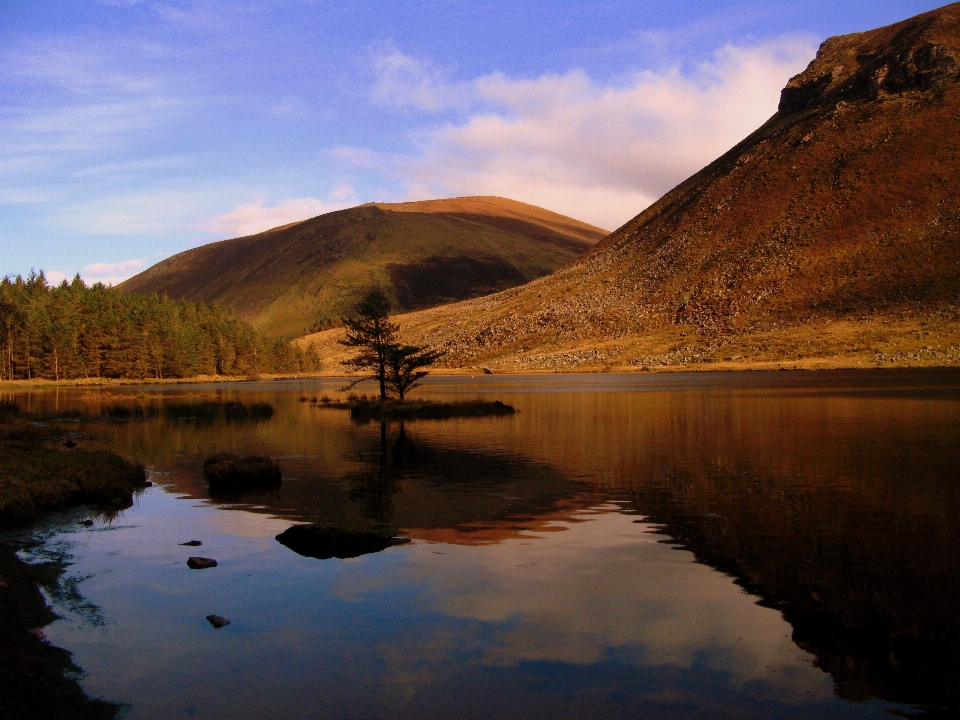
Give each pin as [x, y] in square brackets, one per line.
[808, 364]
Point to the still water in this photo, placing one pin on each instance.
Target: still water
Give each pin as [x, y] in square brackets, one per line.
[750, 545]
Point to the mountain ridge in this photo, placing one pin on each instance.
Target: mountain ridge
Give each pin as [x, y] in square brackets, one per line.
[284, 279]
[829, 235]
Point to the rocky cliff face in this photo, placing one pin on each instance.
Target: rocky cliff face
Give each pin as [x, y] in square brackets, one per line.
[831, 231]
[915, 56]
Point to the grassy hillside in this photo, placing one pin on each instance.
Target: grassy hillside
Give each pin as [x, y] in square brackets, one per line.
[308, 274]
[830, 236]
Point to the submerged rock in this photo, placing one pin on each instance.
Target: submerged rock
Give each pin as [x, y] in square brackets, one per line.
[200, 563]
[86, 521]
[323, 543]
[230, 472]
[192, 543]
[217, 621]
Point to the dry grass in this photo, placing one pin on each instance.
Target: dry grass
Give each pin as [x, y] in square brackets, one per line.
[920, 341]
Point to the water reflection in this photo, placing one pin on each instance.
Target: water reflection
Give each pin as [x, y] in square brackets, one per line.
[547, 579]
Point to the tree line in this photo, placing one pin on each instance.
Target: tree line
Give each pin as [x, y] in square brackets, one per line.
[72, 330]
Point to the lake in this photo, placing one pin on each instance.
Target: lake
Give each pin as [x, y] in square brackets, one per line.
[749, 545]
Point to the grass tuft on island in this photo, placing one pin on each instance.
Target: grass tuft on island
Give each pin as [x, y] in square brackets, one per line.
[227, 472]
[365, 409]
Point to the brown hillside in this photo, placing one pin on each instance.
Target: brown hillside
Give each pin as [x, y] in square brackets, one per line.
[421, 254]
[831, 235]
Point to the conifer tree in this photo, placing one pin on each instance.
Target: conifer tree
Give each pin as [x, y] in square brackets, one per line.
[405, 367]
[374, 335]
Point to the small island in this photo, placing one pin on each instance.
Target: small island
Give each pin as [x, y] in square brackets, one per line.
[363, 409]
[398, 369]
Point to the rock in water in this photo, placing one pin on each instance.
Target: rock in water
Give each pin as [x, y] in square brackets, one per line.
[192, 543]
[217, 621]
[200, 563]
[324, 543]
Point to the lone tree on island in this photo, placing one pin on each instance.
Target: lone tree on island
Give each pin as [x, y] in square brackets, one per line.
[397, 368]
[375, 335]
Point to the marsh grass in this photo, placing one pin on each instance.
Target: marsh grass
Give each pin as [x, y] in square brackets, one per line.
[206, 412]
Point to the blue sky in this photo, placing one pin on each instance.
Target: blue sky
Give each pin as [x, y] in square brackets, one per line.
[131, 130]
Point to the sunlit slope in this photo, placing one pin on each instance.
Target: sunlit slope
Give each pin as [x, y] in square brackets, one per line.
[421, 254]
[831, 235]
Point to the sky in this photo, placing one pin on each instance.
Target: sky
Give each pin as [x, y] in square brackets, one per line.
[131, 130]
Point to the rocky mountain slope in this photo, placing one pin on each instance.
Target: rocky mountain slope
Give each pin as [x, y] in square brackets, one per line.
[830, 236]
[421, 254]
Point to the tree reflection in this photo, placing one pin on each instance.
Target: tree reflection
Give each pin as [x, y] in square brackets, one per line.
[375, 485]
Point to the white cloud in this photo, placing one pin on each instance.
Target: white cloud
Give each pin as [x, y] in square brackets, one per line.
[254, 217]
[87, 103]
[600, 153]
[404, 81]
[148, 213]
[131, 168]
[54, 277]
[112, 273]
[358, 157]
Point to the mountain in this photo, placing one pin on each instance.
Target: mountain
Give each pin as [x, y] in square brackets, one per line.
[421, 254]
[828, 237]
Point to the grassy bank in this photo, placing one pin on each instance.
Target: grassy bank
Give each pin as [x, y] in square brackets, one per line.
[38, 474]
[37, 679]
[35, 479]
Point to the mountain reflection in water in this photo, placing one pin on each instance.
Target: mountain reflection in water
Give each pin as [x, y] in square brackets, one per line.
[546, 581]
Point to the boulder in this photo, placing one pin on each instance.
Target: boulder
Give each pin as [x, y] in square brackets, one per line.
[323, 543]
[200, 563]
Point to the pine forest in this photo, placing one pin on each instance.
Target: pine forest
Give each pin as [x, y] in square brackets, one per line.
[75, 331]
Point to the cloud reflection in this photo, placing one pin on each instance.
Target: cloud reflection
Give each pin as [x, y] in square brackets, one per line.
[610, 584]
